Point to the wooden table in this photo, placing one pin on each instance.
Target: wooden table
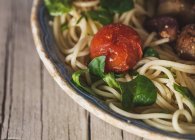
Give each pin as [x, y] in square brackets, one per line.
[33, 107]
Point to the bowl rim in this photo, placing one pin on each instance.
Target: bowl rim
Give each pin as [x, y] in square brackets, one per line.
[70, 91]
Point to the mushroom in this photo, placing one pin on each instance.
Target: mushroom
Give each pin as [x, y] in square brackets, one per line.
[185, 45]
[166, 27]
[183, 10]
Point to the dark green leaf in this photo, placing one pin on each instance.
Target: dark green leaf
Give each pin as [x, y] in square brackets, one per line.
[150, 52]
[97, 65]
[141, 89]
[185, 92]
[111, 81]
[57, 7]
[127, 96]
[77, 81]
[145, 92]
[119, 75]
[118, 6]
[102, 16]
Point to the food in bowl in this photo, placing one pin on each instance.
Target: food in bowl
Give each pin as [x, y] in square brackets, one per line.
[134, 56]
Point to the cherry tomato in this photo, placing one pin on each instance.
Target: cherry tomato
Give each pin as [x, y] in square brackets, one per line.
[120, 44]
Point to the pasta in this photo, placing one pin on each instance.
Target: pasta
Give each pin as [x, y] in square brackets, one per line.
[172, 111]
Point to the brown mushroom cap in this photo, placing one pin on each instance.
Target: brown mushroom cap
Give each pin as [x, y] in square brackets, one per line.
[185, 45]
[166, 27]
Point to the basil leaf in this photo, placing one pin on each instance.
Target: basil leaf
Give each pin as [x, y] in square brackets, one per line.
[127, 96]
[97, 65]
[119, 75]
[185, 92]
[102, 16]
[111, 81]
[76, 80]
[150, 52]
[145, 92]
[118, 6]
[57, 7]
[141, 89]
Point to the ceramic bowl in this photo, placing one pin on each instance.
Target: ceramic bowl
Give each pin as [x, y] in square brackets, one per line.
[53, 61]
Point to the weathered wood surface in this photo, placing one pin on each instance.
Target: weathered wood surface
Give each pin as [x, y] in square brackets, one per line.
[32, 105]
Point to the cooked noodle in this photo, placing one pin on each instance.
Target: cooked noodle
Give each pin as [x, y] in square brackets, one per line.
[172, 112]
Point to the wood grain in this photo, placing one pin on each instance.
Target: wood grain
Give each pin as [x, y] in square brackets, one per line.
[4, 44]
[22, 105]
[103, 131]
[62, 118]
[32, 105]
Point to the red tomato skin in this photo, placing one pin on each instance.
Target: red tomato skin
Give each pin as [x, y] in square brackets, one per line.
[120, 44]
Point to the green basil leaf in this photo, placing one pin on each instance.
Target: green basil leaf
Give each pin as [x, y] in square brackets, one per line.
[118, 6]
[141, 89]
[127, 96]
[97, 65]
[185, 92]
[119, 75]
[102, 16]
[145, 92]
[111, 81]
[76, 80]
[57, 7]
[150, 52]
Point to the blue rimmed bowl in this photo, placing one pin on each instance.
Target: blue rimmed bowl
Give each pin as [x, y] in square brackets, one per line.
[53, 61]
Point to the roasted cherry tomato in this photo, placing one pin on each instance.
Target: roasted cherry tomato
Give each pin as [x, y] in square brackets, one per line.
[120, 44]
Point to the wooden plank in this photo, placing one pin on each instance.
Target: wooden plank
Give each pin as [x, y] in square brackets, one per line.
[4, 43]
[22, 104]
[101, 130]
[63, 119]
[129, 136]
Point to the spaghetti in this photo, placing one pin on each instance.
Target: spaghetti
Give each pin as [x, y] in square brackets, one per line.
[172, 111]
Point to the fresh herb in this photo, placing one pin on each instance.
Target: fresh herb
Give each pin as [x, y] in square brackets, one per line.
[97, 65]
[127, 95]
[111, 81]
[118, 6]
[101, 15]
[119, 75]
[185, 92]
[64, 27]
[76, 79]
[57, 7]
[141, 90]
[150, 52]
